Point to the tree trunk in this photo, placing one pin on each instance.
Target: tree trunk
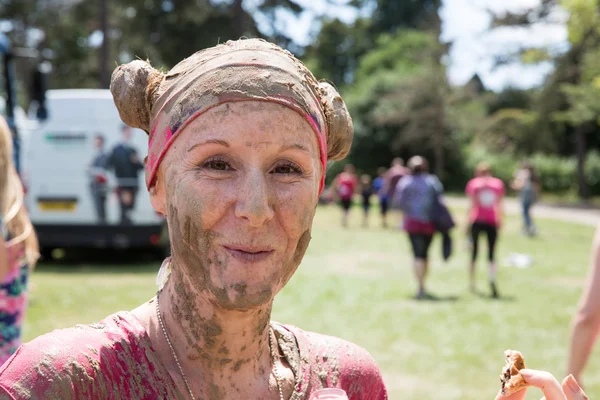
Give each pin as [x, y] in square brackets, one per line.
[104, 49]
[239, 20]
[581, 150]
[439, 153]
[442, 84]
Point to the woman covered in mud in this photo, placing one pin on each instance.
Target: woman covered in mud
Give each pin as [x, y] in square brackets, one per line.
[239, 137]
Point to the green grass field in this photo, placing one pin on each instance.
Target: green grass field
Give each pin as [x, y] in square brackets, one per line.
[357, 284]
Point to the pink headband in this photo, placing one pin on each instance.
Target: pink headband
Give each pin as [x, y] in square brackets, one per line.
[251, 70]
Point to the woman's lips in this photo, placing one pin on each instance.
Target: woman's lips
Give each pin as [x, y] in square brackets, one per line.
[249, 255]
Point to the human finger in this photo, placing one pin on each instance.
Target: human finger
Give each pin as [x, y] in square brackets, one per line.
[544, 381]
[572, 389]
[520, 395]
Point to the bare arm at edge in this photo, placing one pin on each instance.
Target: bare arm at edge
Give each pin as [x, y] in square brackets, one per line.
[586, 322]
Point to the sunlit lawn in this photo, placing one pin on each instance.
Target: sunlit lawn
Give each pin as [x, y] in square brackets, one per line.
[357, 284]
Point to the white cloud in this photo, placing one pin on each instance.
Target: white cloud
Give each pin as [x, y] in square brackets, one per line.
[300, 28]
[466, 22]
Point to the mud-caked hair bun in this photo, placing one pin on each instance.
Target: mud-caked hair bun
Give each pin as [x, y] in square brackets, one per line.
[339, 122]
[134, 87]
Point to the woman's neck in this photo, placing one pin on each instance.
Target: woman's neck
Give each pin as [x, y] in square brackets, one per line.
[222, 351]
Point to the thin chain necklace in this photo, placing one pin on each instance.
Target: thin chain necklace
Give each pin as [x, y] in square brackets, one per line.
[272, 348]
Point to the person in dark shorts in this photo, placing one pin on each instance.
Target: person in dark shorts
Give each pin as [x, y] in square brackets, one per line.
[98, 181]
[415, 196]
[366, 190]
[126, 165]
[345, 186]
[379, 189]
[485, 216]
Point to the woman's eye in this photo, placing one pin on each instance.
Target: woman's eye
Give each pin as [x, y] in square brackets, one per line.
[217, 165]
[287, 169]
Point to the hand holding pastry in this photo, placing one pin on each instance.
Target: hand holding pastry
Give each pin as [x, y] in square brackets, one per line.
[515, 378]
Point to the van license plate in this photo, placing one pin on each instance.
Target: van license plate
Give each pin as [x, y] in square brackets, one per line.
[68, 206]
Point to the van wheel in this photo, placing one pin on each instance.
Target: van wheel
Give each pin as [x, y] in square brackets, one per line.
[46, 253]
[162, 252]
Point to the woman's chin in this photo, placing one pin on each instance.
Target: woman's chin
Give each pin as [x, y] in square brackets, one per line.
[241, 296]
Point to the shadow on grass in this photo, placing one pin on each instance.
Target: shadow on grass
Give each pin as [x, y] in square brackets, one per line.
[434, 298]
[101, 261]
[487, 296]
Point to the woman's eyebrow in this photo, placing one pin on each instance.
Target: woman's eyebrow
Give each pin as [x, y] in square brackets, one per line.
[210, 141]
[295, 146]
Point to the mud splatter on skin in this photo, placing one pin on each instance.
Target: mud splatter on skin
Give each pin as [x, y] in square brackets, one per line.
[240, 288]
[223, 349]
[203, 282]
[215, 392]
[238, 365]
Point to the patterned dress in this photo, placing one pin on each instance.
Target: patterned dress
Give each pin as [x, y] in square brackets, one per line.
[13, 299]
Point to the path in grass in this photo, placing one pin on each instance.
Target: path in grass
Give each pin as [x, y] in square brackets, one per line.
[357, 284]
[580, 215]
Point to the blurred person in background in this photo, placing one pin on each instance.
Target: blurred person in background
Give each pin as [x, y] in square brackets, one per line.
[240, 138]
[382, 194]
[586, 322]
[366, 191]
[126, 165]
[98, 179]
[345, 185]
[527, 183]
[416, 195]
[485, 216]
[18, 249]
[393, 176]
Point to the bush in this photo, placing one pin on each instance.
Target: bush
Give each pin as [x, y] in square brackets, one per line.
[557, 174]
[592, 171]
[503, 165]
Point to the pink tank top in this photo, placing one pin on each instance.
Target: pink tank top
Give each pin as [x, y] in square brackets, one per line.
[114, 359]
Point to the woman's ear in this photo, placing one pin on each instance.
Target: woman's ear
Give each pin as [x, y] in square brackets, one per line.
[158, 195]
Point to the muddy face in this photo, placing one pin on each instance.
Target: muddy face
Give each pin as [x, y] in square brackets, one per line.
[240, 188]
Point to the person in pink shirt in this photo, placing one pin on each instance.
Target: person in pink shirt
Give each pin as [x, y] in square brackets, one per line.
[240, 135]
[345, 185]
[485, 216]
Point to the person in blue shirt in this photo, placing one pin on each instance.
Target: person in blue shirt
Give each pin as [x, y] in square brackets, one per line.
[379, 189]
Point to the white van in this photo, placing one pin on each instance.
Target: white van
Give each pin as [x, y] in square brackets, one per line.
[74, 194]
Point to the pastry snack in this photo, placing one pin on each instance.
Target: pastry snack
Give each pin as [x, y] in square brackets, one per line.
[511, 379]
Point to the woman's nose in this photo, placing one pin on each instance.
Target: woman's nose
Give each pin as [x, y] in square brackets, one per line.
[253, 201]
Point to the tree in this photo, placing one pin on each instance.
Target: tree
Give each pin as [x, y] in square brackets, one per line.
[391, 15]
[165, 31]
[335, 54]
[566, 107]
[399, 101]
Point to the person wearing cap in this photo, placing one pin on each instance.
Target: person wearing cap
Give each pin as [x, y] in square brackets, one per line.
[239, 138]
